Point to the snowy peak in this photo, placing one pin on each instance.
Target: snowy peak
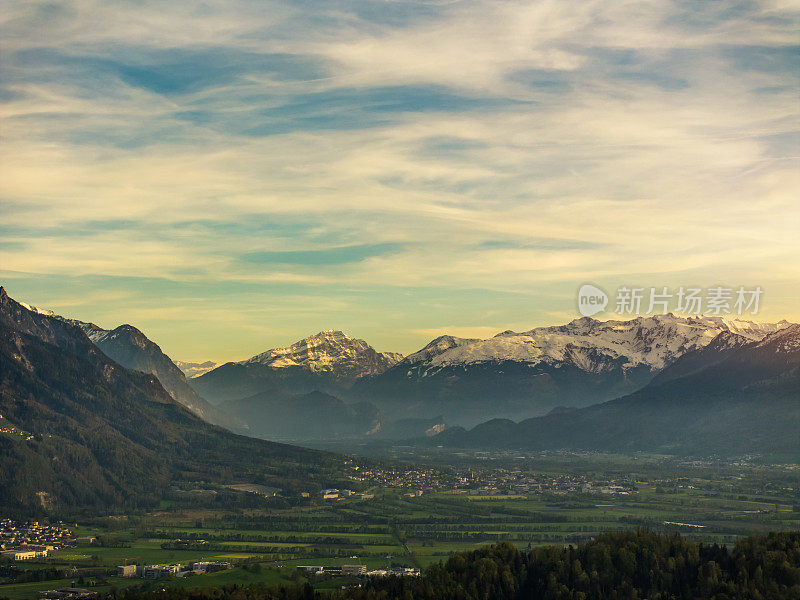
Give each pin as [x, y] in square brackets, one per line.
[38, 311]
[328, 351]
[669, 322]
[195, 369]
[124, 333]
[438, 346]
[727, 340]
[593, 346]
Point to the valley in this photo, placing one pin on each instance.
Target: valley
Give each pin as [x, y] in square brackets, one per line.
[467, 501]
[149, 495]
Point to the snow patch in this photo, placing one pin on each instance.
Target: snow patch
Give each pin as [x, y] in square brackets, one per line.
[591, 345]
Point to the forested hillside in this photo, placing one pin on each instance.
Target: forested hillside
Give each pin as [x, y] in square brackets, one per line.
[91, 433]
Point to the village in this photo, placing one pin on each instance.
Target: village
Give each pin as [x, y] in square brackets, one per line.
[35, 540]
[485, 482]
[7, 428]
[357, 570]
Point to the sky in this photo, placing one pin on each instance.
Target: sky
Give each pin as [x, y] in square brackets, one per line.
[234, 176]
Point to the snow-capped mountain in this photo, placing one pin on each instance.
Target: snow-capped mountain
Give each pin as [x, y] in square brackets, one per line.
[195, 369]
[329, 361]
[37, 310]
[786, 340]
[438, 347]
[653, 342]
[329, 351]
[519, 375]
[734, 396]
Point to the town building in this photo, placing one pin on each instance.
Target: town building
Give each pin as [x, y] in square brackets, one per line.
[126, 571]
[23, 554]
[210, 566]
[354, 569]
[310, 568]
[159, 571]
[87, 540]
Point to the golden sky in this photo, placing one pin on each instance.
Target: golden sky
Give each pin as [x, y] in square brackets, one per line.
[233, 176]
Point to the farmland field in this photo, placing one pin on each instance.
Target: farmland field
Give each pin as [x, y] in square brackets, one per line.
[265, 544]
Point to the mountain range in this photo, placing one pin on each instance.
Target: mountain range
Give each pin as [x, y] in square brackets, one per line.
[81, 430]
[468, 381]
[521, 375]
[662, 383]
[734, 396]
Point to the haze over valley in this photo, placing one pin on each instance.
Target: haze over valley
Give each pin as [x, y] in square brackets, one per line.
[649, 383]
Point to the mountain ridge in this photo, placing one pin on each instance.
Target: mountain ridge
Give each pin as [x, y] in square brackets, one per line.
[745, 401]
[131, 348]
[105, 436]
[527, 374]
[329, 361]
[194, 369]
[329, 350]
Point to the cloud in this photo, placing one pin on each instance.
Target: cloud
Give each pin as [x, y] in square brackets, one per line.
[324, 256]
[342, 150]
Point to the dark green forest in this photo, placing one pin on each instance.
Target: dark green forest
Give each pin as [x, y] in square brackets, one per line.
[615, 566]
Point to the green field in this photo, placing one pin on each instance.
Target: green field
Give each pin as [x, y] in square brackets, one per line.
[267, 544]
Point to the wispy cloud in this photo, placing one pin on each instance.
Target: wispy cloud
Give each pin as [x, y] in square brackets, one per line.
[503, 152]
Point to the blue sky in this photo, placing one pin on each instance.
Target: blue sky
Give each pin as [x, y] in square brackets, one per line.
[233, 176]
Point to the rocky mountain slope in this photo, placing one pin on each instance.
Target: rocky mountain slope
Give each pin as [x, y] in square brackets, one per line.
[329, 361]
[129, 347]
[732, 398]
[132, 349]
[101, 435]
[519, 375]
